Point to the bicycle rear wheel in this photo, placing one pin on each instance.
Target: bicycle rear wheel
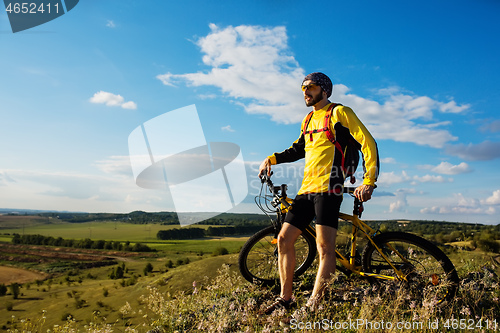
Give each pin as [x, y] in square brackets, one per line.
[258, 259]
[430, 275]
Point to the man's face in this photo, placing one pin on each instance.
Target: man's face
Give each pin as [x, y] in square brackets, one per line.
[313, 93]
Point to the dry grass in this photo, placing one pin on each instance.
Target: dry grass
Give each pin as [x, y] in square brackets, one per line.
[228, 304]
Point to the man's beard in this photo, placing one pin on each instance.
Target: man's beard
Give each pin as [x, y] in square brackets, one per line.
[315, 99]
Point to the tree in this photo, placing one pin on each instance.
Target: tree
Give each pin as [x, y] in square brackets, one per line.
[148, 268]
[117, 273]
[3, 290]
[220, 251]
[15, 290]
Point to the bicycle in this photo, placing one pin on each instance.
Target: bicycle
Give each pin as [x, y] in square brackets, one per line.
[407, 259]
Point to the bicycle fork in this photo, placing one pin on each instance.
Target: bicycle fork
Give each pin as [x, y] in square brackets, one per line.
[352, 256]
[400, 275]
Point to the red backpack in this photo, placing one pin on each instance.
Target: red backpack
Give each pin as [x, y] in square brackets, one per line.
[350, 155]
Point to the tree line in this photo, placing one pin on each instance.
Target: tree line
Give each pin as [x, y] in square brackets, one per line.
[80, 243]
[484, 237]
[193, 233]
[445, 232]
[165, 218]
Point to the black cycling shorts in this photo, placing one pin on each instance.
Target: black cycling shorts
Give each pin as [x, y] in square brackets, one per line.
[305, 207]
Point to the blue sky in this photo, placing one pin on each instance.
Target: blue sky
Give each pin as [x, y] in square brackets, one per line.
[423, 77]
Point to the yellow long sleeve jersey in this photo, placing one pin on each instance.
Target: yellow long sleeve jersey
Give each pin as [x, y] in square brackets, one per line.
[323, 172]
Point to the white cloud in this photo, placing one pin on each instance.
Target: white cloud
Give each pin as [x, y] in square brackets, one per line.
[114, 191]
[430, 179]
[388, 160]
[494, 199]
[434, 210]
[458, 210]
[5, 178]
[254, 65]
[473, 210]
[109, 99]
[463, 205]
[466, 202]
[250, 62]
[167, 79]
[452, 107]
[207, 96]
[399, 117]
[389, 178]
[401, 204]
[129, 105]
[111, 24]
[447, 168]
[227, 128]
[398, 206]
[117, 165]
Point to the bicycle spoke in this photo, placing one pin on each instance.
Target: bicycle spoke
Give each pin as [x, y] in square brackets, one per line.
[259, 257]
[427, 274]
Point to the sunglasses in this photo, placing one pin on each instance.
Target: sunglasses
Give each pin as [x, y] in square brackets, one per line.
[310, 86]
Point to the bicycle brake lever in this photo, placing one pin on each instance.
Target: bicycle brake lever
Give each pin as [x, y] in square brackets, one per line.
[358, 207]
[264, 178]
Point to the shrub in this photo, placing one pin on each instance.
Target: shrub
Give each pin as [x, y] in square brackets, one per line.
[79, 303]
[117, 273]
[66, 316]
[131, 281]
[220, 251]
[3, 290]
[9, 306]
[148, 268]
[15, 290]
[488, 245]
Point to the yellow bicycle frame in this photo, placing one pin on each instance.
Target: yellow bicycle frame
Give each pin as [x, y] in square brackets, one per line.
[349, 263]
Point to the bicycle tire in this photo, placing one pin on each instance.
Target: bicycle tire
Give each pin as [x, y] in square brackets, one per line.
[258, 259]
[430, 274]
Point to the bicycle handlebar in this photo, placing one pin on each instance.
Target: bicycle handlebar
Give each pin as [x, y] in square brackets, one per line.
[274, 189]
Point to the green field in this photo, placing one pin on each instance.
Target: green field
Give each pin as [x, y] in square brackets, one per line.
[111, 230]
[85, 293]
[134, 233]
[91, 296]
[80, 292]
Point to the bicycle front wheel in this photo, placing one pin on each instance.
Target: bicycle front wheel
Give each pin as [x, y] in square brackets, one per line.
[258, 260]
[429, 273]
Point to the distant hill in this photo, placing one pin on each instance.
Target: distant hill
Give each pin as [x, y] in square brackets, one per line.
[16, 211]
[137, 217]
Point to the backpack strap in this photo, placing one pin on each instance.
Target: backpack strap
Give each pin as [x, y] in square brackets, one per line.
[306, 123]
[326, 125]
[328, 133]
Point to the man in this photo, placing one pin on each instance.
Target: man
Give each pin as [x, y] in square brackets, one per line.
[320, 194]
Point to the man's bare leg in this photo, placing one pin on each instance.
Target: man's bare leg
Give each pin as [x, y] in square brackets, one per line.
[286, 258]
[325, 241]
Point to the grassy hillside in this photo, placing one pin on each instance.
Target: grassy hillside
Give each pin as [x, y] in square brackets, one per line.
[19, 222]
[210, 296]
[190, 290]
[109, 230]
[88, 294]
